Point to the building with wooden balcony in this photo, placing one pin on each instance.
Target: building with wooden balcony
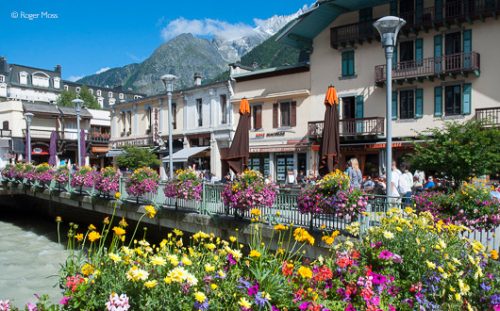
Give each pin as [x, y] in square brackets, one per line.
[444, 69]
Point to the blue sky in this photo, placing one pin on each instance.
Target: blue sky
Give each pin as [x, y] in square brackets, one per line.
[87, 36]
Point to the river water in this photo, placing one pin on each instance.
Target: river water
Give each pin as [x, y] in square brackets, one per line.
[30, 257]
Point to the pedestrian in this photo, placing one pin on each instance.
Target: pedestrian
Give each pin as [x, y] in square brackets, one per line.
[354, 173]
[290, 178]
[395, 175]
[368, 184]
[405, 184]
[429, 185]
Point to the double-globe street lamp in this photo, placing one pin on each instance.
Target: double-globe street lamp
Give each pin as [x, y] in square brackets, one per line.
[389, 27]
[78, 106]
[168, 81]
[28, 116]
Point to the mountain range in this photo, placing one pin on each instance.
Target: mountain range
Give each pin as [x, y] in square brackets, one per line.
[187, 54]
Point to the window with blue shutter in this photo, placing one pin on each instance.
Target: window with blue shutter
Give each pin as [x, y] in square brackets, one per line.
[358, 113]
[438, 53]
[438, 10]
[394, 105]
[348, 64]
[438, 101]
[419, 103]
[419, 51]
[467, 99]
[467, 48]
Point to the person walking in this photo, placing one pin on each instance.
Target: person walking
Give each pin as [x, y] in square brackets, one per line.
[354, 173]
[405, 184]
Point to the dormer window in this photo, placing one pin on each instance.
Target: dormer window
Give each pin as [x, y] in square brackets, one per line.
[91, 91]
[99, 93]
[121, 96]
[57, 82]
[23, 77]
[100, 100]
[40, 79]
[110, 94]
[2, 78]
[66, 87]
[137, 96]
[78, 89]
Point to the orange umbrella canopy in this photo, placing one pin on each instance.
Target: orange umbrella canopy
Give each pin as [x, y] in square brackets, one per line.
[244, 106]
[331, 97]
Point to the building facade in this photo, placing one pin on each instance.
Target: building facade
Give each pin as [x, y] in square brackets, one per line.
[201, 121]
[444, 69]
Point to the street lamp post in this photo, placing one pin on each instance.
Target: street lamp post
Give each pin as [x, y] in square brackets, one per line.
[168, 80]
[78, 105]
[388, 27]
[28, 116]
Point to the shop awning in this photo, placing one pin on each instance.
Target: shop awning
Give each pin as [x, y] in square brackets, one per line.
[184, 154]
[114, 153]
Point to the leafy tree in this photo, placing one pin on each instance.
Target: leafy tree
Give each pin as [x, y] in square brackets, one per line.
[66, 97]
[135, 157]
[459, 151]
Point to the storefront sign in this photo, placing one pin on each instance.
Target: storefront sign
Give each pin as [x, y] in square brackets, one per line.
[284, 148]
[277, 134]
[156, 135]
[39, 151]
[260, 135]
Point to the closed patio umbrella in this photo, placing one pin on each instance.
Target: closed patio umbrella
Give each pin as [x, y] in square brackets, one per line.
[330, 140]
[83, 148]
[53, 148]
[239, 152]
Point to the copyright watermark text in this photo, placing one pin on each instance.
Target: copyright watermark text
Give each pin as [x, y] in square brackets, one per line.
[33, 16]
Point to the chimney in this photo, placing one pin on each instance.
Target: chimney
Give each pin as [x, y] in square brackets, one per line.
[58, 69]
[197, 79]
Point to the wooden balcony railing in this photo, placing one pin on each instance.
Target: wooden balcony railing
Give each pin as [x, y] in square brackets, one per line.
[99, 137]
[351, 127]
[62, 135]
[454, 64]
[451, 12]
[489, 116]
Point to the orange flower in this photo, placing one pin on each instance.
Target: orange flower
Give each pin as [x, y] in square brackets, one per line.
[344, 262]
[287, 268]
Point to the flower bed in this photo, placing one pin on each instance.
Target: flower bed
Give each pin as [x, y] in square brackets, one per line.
[409, 262]
[108, 181]
[471, 205]
[143, 180]
[249, 191]
[187, 186]
[332, 195]
[44, 173]
[61, 175]
[84, 176]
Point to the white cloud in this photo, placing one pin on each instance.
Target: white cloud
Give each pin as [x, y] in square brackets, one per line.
[74, 78]
[205, 27]
[102, 70]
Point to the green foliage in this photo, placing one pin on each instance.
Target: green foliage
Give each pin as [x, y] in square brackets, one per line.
[271, 53]
[135, 157]
[66, 97]
[459, 151]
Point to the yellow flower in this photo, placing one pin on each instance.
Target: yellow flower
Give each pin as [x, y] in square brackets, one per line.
[254, 254]
[232, 239]
[430, 264]
[210, 246]
[94, 236]
[178, 232]
[255, 212]
[92, 227]
[494, 254]
[280, 227]
[118, 195]
[305, 272]
[87, 269]
[213, 286]
[186, 261]
[173, 260]
[114, 257]
[79, 237]
[135, 274]
[106, 220]
[158, 261]
[200, 297]
[150, 211]
[209, 268]
[118, 231]
[477, 246]
[58, 219]
[388, 235]
[244, 303]
[151, 284]
[329, 239]
[123, 223]
[301, 235]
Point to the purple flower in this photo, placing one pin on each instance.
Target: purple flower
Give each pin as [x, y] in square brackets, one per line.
[397, 259]
[231, 260]
[378, 279]
[64, 300]
[385, 255]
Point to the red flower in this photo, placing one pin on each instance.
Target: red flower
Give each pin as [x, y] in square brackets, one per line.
[324, 273]
[287, 268]
[344, 262]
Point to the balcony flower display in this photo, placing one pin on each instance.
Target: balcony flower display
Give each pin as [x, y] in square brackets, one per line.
[470, 205]
[143, 180]
[28, 173]
[108, 181]
[84, 176]
[8, 172]
[332, 195]
[249, 191]
[187, 186]
[61, 175]
[44, 173]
